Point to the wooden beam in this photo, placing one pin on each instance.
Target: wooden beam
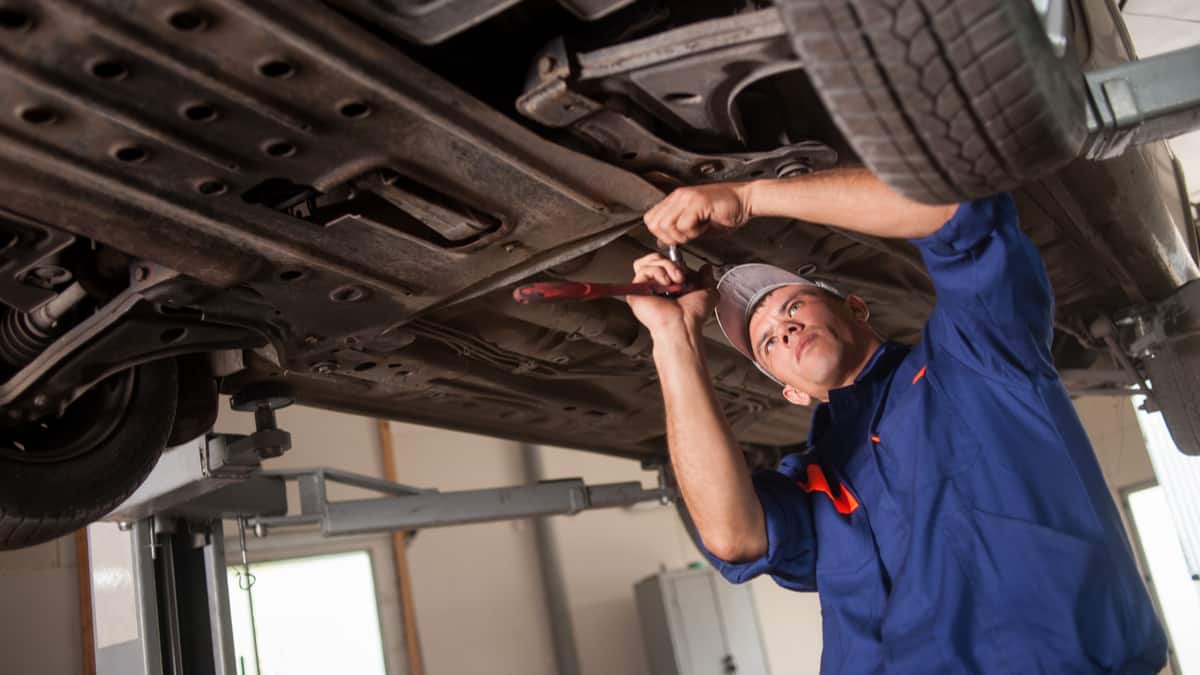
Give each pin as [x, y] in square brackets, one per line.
[85, 601]
[412, 641]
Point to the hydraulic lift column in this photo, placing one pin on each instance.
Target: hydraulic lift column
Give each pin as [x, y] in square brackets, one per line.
[170, 548]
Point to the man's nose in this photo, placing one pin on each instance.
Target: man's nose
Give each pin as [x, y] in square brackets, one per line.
[789, 333]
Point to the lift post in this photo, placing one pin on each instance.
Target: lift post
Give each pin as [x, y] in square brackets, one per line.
[173, 526]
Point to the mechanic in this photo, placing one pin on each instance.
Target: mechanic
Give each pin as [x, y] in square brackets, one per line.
[949, 509]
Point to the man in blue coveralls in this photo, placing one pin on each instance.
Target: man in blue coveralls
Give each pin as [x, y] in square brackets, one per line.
[950, 511]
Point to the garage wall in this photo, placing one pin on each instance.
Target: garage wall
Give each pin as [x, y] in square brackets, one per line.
[478, 590]
[39, 623]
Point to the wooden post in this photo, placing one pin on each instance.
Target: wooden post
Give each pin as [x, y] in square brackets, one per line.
[412, 641]
[85, 601]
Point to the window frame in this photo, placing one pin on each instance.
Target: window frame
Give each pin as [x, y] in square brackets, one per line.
[281, 546]
[1143, 563]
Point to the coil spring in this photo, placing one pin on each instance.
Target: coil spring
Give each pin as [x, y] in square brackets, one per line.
[21, 340]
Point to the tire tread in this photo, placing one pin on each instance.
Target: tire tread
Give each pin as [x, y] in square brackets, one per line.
[965, 96]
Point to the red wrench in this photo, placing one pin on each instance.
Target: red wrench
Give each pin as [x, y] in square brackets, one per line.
[561, 291]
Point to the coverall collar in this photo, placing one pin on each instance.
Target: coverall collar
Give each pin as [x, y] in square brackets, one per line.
[845, 403]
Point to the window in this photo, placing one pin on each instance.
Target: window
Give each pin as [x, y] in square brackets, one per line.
[1166, 519]
[1176, 592]
[307, 616]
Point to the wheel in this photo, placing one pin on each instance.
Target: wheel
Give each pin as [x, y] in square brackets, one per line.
[1175, 378]
[196, 409]
[945, 100]
[62, 474]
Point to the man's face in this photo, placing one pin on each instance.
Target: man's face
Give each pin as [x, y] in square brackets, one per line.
[805, 337]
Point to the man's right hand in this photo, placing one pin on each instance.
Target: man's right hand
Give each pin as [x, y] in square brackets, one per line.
[664, 315]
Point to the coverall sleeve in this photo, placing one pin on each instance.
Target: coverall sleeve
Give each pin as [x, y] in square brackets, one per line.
[995, 308]
[791, 555]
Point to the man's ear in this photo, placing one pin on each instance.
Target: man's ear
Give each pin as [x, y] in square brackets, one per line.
[858, 308]
[795, 396]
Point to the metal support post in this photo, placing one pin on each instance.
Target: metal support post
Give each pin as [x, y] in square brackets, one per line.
[410, 508]
[1141, 101]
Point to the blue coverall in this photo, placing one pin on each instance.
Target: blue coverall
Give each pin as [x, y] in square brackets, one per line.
[951, 512]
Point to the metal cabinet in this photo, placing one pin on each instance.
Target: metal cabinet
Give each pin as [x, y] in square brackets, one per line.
[696, 623]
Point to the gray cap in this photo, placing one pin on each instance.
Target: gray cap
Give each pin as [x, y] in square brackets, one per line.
[741, 289]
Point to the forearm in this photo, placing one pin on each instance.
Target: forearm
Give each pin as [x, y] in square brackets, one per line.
[851, 199]
[708, 465]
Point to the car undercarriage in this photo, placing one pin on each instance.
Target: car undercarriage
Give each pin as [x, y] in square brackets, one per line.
[340, 196]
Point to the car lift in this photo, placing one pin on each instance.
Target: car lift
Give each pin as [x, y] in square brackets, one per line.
[177, 556]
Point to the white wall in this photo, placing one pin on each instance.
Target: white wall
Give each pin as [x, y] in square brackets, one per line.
[39, 622]
[478, 590]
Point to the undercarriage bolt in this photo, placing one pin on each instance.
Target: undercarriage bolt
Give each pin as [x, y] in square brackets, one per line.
[789, 169]
[264, 417]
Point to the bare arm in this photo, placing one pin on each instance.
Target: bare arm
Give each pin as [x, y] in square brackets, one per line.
[851, 199]
[708, 465]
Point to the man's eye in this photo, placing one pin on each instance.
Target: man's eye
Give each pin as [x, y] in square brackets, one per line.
[792, 310]
[767, 347]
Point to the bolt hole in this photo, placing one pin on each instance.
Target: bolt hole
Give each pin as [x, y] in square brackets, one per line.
[211, 187]
[110, 70]
[200, 112]
[131, 154]
[279, 149]
[354, 109]
[365, 366]
[172, 335]
[291, 275]
[347, 294]
[39, 115]
[756, 174]
[12, 19]
[568, 408]
[683, 98]
[50, 275]
[276, 68]
[629, 155]
[188, 20]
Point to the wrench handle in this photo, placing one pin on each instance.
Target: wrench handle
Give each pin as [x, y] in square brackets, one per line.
[565, 291]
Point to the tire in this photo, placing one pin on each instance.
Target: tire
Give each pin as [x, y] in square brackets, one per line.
[1175, 378]
[196, 409]
[945, 100]
[55, 480]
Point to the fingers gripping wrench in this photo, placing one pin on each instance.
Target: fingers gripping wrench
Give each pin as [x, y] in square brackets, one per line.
[563, 291]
